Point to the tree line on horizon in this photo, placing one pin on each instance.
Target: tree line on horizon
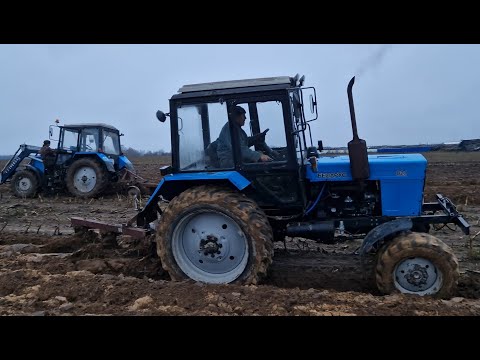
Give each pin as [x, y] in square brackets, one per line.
[131, 152]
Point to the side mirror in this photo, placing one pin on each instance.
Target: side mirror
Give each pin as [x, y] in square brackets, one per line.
[313, 103]
[54, 132]
[320, 145]
[161, 116]
[310, 112]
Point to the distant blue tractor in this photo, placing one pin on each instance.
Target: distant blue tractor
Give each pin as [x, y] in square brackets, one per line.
[88, 158]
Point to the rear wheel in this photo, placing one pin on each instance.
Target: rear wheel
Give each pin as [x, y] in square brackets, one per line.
[24, 183]
[86, 178]
[215, 235]
[417, 263]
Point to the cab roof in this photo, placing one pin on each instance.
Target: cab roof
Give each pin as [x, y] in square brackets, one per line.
[236, 84]
[233, 86]
[90, 125]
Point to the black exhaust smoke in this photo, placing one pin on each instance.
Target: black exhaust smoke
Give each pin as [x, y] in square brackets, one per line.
[357, 148]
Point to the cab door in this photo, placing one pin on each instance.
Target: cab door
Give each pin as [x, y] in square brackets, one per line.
[276, 184]
[67, 145]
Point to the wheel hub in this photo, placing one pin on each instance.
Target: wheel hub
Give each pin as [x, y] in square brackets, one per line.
[85, 179]
[418, 276]
[210, 246]
[25, 184]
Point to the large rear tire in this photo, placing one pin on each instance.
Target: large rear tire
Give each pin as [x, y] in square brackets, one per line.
[215, 235]
[417, 263]
[24, 184]
[86, 178]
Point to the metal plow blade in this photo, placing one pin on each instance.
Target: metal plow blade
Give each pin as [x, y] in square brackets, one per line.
[82, 224]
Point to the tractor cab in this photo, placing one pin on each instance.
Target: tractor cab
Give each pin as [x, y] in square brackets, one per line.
[207, 137]
[88, 138]
[87, 161]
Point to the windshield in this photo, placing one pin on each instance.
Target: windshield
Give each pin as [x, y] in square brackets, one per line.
[89, 139]
[70, 140]
[111, 142]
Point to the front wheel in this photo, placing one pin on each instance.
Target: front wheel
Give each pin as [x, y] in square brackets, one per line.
[417, 263]
[215, 235]
[24, 183]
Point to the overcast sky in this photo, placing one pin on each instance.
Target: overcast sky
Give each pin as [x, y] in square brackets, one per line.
[404, 94]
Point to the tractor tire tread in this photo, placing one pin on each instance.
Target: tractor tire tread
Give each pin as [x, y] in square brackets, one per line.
[245, 212]
[413, 244]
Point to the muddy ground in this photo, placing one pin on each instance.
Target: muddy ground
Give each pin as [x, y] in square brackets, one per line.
[45, 269]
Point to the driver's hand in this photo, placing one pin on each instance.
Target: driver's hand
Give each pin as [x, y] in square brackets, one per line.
[276, 154]
[265, 158]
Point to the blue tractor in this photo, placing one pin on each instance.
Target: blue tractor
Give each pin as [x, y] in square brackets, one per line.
[87, 160]
[223, 217]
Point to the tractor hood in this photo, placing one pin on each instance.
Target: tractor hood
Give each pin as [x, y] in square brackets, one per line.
[401, 178]
[382, 167]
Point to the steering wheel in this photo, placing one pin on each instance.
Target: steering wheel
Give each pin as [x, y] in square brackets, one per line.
[263, 133]
[260, 137]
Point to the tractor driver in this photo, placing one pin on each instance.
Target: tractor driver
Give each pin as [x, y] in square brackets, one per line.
[224, 146]
[48, 155]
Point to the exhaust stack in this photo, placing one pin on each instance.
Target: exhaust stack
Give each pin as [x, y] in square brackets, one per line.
[357, 148]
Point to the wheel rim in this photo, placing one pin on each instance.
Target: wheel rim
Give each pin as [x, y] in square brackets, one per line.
[24, 184]
[210, 247]
[85, 179]
[417, 276]
[134, 192]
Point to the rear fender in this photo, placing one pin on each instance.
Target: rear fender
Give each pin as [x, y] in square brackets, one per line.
[104, 159]
[174, 184]
[123, 162]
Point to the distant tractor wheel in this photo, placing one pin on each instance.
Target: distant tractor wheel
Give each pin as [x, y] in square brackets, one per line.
[24, 184]
[134, 192]
[214, 235]
[417, 263]
[86, 178]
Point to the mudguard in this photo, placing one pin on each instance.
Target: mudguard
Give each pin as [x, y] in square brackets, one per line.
[173, 184]
[123, 162]
[36, 171]
[376, 237]
[38, 165]
[109, 163]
